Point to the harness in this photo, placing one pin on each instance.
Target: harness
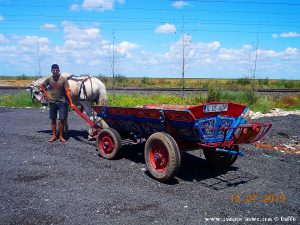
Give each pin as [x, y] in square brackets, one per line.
[82, 86]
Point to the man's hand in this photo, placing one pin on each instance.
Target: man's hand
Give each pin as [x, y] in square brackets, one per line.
[48, 97]
[72, 105]
[45, 93]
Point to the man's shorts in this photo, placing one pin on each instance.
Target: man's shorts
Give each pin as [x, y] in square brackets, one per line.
[61, 107]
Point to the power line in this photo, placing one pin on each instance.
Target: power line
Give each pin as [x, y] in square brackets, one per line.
[164, 9]
[244, 2]
[145, 29]
[142, 19]
[162, 21]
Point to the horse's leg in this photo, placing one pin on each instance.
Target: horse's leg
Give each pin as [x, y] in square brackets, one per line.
[89, 112]
[102, 100]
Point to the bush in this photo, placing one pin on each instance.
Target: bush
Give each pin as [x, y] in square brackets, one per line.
[263, 82]
[145, 81]
[251, 96]
[264, 104]
[121, 80]
[244, 81]
[214, 93]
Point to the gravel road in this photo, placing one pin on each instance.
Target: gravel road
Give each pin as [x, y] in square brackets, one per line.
[56, 183]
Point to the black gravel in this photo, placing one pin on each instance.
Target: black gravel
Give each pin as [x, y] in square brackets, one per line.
[55, 183]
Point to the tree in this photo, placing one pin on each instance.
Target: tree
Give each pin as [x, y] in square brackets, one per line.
[185, 55]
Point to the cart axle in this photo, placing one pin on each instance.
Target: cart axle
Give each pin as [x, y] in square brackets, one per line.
[230, 151]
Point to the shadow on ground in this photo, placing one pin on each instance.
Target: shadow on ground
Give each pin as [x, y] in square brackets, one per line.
[194, 168]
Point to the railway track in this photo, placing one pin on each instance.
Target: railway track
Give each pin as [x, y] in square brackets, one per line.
[276, 90]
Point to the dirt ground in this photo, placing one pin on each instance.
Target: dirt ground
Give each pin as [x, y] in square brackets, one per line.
[15, 82]
[56, 183]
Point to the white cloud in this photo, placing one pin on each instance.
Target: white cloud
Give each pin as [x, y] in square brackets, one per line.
[291, 51]
[147, 58]
[71, 44]
[32, 40]
[286, 35]
[48, 26]
[1, 18]
[226, 57]
[125, 46]
[75, 7]
[207, 47]
[268, 53]
[3, 39]
[95, 62]
[214, 45]
[247, 46]
[166, 28]
[100, 5]
[75, 33]
[180, 4]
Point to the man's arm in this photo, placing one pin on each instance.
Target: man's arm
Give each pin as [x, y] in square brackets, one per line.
[69, 97]
[45, 93]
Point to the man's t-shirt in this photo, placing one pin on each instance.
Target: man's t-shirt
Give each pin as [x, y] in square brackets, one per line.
[56, 89]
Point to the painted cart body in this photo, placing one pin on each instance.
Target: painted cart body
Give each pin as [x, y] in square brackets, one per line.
[217, 127]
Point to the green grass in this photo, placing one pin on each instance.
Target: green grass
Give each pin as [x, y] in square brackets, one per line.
[132, 100]
[20, 99]
[258, 102]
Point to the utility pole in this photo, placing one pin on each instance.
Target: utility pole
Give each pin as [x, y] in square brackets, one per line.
[38, 58]
[113, 62]
[255, 61]
[183, 56]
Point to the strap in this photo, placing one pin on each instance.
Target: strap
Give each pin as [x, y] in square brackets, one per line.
[82, 87]
[76, 78]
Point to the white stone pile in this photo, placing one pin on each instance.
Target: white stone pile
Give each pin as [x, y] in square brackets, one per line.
[273, 112]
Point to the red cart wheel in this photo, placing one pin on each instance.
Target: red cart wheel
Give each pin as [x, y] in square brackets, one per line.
[162, 156]
[109, 143]
[220, 159]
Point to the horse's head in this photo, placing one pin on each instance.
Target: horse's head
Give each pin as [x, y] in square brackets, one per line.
[36, 92]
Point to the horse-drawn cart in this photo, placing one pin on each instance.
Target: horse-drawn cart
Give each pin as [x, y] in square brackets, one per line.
[218, 128]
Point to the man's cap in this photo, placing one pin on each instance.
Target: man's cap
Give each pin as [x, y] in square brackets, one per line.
[54, 66]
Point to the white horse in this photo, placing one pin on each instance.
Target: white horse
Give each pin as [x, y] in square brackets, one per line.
[85, 91]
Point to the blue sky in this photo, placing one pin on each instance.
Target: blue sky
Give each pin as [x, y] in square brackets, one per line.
[217, 39]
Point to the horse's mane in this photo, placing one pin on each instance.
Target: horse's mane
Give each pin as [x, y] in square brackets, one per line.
[75, 77]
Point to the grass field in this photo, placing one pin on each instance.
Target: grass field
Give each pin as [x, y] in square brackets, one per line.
[256, 102]
[218, 90]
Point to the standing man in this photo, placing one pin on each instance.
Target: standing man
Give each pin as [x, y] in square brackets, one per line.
[58, 87]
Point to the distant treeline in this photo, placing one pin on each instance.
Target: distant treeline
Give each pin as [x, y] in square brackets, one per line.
[123, 81]
[147, 82]
[18, 77]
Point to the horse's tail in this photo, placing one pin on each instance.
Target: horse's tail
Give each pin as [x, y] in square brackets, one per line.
[102, 99]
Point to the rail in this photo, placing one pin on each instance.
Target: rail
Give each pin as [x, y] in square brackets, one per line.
[273, 90]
